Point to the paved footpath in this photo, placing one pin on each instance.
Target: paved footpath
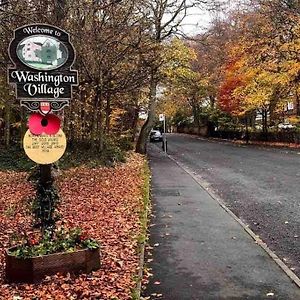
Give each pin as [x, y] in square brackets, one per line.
[199, 250]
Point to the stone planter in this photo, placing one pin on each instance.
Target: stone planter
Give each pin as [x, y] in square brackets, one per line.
[34, 269]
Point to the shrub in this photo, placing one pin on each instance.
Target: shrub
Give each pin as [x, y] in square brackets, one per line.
[60, 240]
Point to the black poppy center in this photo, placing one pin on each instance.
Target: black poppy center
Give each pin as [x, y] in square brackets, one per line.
[44, 122]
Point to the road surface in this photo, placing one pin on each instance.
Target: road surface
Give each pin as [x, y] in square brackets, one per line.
[260, 185]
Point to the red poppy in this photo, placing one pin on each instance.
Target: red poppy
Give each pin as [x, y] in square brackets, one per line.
[38, 124]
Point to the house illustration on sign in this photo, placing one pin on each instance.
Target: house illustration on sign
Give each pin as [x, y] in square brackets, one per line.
[28, 51]
[44, 53]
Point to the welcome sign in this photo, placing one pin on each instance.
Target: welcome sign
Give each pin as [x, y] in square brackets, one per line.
[42, 74]
[42, 85]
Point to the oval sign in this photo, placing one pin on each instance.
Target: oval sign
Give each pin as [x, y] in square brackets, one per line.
[42, 52]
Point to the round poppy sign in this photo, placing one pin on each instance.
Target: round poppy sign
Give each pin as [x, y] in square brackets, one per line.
[45, 149]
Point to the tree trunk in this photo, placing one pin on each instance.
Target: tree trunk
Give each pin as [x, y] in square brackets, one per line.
[195, 111]
[98, 117]
[141, 146]
[247, 137]
[100, 124]
[297, 104]
[212, 100]
[135, 115]
[23, 125]
[197, 118]
[135, 123]
[265, 123]
[7, 124]
[60, 13]
[107, 114]
[95, 118]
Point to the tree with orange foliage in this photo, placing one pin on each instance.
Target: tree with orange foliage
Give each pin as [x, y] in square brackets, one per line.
[226, 99]
[266, 69]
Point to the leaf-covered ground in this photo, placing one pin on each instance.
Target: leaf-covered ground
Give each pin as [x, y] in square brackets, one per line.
[106, 203]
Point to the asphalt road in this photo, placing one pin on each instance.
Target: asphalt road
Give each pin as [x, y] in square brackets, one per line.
[198, 250]
[260, 185]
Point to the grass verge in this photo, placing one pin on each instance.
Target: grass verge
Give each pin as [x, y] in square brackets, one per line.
[143, 236]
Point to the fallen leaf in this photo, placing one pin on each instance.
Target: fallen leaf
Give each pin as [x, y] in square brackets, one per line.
[106, 203]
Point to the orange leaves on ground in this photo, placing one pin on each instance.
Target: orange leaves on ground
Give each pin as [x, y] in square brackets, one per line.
[15, 192]
[105, 203]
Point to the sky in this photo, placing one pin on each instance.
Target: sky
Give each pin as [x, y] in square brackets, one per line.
[199, 19]
[196, 21]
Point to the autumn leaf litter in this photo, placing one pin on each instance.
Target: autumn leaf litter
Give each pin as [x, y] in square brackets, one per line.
[105, 203]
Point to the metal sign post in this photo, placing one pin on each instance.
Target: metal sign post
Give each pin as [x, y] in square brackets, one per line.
[162, 118]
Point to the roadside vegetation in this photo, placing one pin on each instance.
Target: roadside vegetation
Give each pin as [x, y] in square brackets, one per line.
[240, 79]
[108, 204]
